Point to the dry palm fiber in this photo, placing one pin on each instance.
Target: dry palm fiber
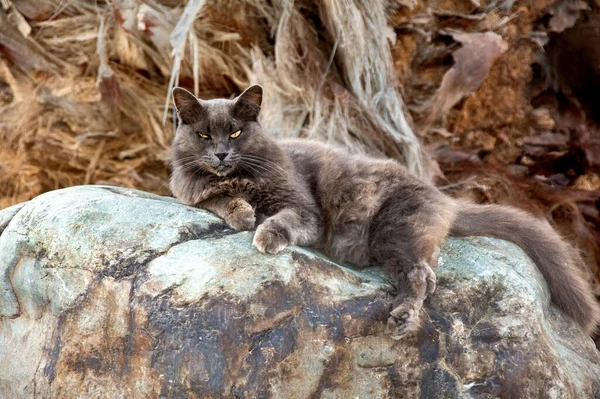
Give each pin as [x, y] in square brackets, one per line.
[95, 78]
[338, 83]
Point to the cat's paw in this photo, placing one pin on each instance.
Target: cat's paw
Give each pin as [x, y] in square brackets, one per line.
[240, 215]
[404, 317]
[403, 320]
[269, 240]
[242, 222]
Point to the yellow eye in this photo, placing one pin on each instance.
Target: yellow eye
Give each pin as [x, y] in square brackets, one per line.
[236, 134]
[204, 136]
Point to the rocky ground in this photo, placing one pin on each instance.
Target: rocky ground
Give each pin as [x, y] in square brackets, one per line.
[502, 94]
[115, 292]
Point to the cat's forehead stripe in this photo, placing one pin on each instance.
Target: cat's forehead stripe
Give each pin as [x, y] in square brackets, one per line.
[218, 113]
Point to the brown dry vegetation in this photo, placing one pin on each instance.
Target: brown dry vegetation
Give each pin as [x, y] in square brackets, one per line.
[498, 94]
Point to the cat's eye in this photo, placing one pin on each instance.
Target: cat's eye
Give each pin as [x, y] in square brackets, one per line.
[236, 134]
[204, 136]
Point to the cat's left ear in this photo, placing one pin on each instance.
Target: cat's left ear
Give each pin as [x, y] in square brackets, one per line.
[247, 104]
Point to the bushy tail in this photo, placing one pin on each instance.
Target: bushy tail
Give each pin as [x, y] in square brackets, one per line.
[558, 261]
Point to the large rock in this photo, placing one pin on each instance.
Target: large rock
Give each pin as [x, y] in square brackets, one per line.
[117, 293]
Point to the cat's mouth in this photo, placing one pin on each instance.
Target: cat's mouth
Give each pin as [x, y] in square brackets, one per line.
[223, 169]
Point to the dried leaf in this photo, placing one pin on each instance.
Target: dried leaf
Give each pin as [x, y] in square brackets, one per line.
[472, 63]
[565, 13]
[20, 51]
[589, 182]
[178, 39]
[17, 18]
[450, 14]
[541, 119]
[547, 139]
[38, 10]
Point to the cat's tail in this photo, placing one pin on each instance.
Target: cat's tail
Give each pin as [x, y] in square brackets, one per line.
[560, 264]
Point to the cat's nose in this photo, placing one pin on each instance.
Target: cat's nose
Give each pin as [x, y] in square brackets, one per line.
[221, 155]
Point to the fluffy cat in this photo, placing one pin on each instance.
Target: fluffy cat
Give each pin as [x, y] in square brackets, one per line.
[356, 209]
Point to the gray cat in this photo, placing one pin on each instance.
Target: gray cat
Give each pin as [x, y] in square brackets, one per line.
[356, 209]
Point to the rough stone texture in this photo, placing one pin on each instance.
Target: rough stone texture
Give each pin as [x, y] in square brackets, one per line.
[7, 214]
[117, 293]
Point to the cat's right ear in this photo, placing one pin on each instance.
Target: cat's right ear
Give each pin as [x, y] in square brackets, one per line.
[189, 108]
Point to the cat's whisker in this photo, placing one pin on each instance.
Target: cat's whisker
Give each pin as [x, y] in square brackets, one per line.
[265, 168]
[186, 159]
[267, 163]
[187, 164]
[265, 160]
[248, 168]
[188, 167]
[164, 183]
[256, 169]
[185, 167]
[167, 181]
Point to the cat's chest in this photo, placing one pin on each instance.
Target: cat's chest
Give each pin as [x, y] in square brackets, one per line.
[241, 187]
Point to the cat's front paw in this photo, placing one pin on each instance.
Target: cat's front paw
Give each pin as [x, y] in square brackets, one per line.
[240, 215]
[269, 240]
[242, 222]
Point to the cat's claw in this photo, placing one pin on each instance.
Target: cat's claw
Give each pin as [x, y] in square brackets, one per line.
[269, 241]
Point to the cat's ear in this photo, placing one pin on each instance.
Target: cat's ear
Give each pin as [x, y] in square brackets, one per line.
[247, 104]
[189, 108]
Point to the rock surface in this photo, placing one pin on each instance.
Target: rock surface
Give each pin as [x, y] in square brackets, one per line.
[107, 292]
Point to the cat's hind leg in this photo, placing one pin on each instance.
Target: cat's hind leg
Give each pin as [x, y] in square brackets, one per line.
[414, 284]
[408, 246]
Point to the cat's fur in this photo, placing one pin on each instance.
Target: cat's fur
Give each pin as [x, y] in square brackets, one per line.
[355, 209]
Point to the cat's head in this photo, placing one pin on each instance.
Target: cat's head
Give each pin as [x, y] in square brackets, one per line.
[215, 135]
